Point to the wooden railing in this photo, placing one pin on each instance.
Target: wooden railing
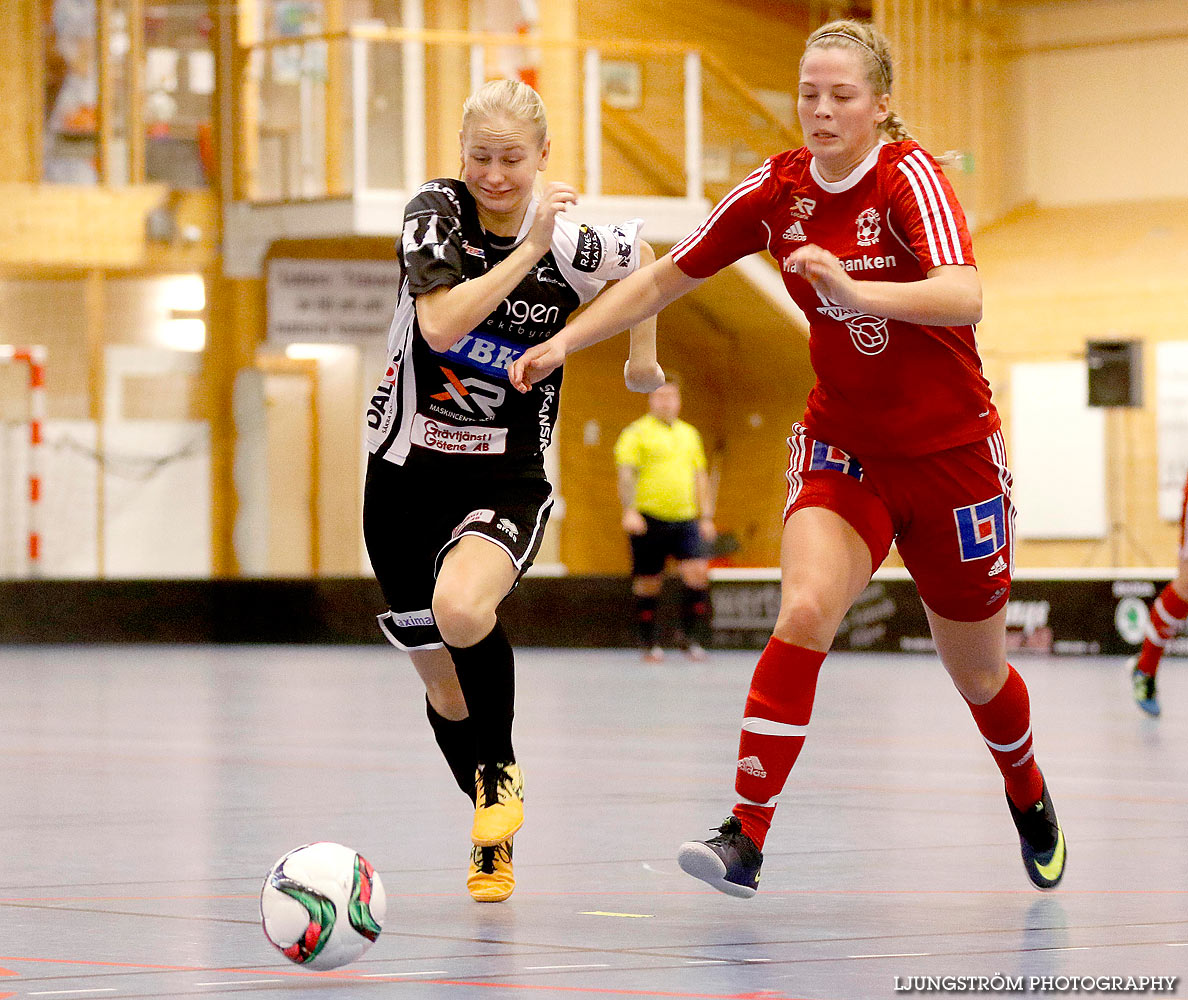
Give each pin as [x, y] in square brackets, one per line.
[305, 106]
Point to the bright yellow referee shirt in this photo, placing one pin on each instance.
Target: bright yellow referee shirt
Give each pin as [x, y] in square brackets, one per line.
[667, 458]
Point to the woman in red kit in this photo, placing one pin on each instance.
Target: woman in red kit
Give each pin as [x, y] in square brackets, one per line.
[900, 440]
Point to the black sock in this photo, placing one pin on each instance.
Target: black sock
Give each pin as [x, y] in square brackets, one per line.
[487, 676]
[695, 614]
[456, 740]
[645, 620]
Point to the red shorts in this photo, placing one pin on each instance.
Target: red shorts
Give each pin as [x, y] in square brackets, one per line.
[949, 514]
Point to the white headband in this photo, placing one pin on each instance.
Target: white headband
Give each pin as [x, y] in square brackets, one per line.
[851, 38]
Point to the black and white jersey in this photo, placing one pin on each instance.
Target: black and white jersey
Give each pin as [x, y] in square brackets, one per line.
[458, 405]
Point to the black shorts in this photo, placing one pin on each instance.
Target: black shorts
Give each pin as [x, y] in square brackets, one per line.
[649, 551]
[412, 519]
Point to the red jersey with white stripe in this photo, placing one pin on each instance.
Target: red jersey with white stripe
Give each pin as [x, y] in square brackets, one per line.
[884, 386]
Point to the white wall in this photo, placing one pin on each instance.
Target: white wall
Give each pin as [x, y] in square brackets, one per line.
[1105, 123]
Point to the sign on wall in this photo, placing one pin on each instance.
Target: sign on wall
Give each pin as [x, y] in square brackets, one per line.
[1058, 454]
[330, 301]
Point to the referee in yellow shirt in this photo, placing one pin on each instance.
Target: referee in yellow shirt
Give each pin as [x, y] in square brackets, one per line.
[667, 511]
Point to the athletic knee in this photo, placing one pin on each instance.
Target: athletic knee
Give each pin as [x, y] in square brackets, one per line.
[461, 618]
[806, 620]
[978, 685]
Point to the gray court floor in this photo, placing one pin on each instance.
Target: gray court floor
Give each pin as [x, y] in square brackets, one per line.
[145, 791]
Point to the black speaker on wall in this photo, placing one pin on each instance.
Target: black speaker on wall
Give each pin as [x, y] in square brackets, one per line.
[1115, 372]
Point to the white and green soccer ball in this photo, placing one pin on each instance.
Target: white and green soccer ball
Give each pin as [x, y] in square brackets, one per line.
[322, 905]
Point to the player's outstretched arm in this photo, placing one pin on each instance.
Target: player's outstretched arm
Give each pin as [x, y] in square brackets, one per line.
[642, 372]
[632, 300]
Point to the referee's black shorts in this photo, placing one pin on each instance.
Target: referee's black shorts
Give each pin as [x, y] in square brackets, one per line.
[679, 539]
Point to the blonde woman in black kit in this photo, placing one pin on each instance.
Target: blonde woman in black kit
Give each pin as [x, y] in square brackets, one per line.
[456, 500]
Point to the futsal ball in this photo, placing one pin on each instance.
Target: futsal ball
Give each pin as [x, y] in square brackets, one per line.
[322, 905]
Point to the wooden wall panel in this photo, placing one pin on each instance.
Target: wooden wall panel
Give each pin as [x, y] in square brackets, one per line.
[1128, 277]
[235, 327]
[20, 81]
[956, 86]
[447, 84]
[58, 225]
[760, 42]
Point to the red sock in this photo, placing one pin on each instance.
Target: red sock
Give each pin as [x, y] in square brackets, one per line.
[778, 709]
[1168, 612]
[1005, 724]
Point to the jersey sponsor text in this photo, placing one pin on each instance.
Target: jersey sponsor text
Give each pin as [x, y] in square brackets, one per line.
[436, 435]
[588, 256]
[868, 263]
[490, 355]
[545, 416]
[411, 618]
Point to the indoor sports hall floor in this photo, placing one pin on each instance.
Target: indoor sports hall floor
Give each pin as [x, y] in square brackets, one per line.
[145, 791]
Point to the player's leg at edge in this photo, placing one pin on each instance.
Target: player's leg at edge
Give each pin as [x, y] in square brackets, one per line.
[974, 654]
[825, 566]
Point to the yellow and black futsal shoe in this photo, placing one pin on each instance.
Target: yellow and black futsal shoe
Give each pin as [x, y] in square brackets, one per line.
[1041, 841]
[491, 878]
[499, 803]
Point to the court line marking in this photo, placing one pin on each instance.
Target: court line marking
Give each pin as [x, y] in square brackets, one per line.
[56, 993]
[605, 913]
[901, 954]
[241, 982]
[394, 975]
[590, 965]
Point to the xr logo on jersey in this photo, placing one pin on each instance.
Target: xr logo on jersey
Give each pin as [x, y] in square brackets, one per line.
[803, 209]
[469, 393]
